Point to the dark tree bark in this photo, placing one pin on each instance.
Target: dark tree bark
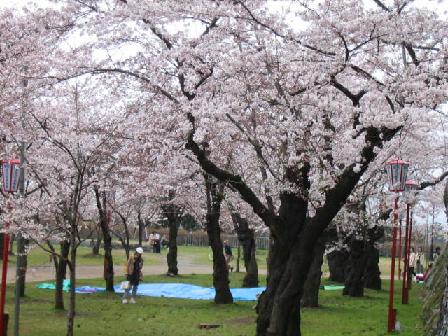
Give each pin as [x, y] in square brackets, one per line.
[124, 240]
[173, 215]
[372, 273]
[311, 288]
[337, 263]
[141, 228]
[246, 238]
[214, 194]
[104, 216]
[354, 283]
[372, 276]
[97, 243]
[60, 263]
[294, 235]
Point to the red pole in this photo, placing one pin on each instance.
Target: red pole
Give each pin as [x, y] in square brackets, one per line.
[405, 286]
[391, 314]
[3, 285]
[399, 251]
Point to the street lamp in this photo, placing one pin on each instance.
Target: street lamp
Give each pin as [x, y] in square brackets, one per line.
[397, 171]
[10, 184]
[410, 187]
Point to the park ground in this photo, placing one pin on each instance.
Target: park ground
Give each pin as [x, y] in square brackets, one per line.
[104, 314]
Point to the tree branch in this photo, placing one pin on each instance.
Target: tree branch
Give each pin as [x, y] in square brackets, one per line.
[235, 181]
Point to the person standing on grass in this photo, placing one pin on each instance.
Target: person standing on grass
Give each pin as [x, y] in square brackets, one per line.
[156, 242]
[133, 275]
[151, 241]
[419, 268]
[412, 263]
[228, 255]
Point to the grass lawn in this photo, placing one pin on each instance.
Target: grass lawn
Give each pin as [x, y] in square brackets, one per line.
[103, 314]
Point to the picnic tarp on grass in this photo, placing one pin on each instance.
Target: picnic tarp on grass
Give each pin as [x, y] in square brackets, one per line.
[187, 291]
[66, 287]
[180, 291]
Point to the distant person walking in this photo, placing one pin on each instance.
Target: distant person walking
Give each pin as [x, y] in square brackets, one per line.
[151, 241]
[156, 242]
[228, 255]
[133, 275]
[419, 268]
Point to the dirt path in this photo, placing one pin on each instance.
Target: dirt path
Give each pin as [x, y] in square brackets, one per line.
[46, 273]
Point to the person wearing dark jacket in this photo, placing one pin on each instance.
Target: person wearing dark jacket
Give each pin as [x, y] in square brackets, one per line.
[133, 275]
[228, 255]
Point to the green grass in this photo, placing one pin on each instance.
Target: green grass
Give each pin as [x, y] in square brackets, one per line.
[103, 314]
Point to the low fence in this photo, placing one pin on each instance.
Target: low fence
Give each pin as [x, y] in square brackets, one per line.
[262, 243]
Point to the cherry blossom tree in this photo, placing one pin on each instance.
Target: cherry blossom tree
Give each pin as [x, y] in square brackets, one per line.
[308, 100]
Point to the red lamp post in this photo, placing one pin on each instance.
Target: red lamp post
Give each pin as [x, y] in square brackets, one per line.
[409, 188]
[10, 183]
[396, 171]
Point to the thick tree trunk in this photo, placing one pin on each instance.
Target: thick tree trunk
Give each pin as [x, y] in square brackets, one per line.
[372, 274]
[246, 238]
[290, 257]
[337, 264]
[61, 272]
[220, 272]
[293, 233]
[354, 283]
[310, 296]
[171, 257]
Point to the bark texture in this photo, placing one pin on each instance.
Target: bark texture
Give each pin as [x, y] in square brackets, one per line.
[337, 263]
[311, 288]
[61, 273]
[173, 215]
[246, 237]
[294, 235]
[105, 216]
[354, 283]
[214, 194]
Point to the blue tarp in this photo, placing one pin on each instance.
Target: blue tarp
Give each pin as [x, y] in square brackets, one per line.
[66, 287]
[186, 291]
